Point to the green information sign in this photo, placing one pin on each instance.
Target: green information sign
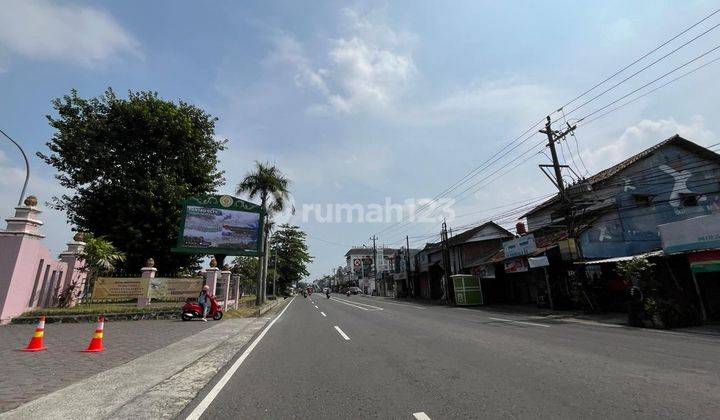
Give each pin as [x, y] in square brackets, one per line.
[220, 225]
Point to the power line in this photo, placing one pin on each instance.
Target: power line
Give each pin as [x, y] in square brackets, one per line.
[684, 31]
[642, 69]
[651, 91]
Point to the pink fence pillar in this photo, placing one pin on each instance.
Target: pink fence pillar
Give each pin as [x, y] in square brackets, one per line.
[29, 276]
[147, 272]
[76, 273]
[225, 282]
[211, 278]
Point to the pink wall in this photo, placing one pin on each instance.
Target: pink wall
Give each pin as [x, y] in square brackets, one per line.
[29, 276]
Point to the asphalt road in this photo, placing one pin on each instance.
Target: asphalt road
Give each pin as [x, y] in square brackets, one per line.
[360, 358]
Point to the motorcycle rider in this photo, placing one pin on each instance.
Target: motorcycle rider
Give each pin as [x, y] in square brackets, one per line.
[204, 301]
[327, 293]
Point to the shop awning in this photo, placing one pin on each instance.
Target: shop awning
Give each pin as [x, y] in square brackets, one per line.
[623, 258]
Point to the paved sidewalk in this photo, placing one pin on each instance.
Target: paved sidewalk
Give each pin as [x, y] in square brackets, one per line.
[26, 376]
[157, 384]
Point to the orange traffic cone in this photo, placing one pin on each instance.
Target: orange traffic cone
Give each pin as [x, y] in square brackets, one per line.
[37, 342]
[96, 344]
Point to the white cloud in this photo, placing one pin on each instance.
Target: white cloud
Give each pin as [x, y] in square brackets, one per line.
[645, 134]
[47, 31]
[506, 97]
[367, 68]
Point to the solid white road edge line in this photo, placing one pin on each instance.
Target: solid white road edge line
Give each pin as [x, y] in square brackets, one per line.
[205, 403]
[342, 333]
[421, 416]
[322, 313]
[347, 302]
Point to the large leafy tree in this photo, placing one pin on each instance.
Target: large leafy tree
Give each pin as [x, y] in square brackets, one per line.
[268, 183]
[126, 163]
[289, 247]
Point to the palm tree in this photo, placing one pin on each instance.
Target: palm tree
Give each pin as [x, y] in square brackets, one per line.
[100, 256]
[267, 182]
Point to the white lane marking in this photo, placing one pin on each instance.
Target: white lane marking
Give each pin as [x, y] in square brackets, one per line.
[357, 305]
[501, 319]
[421, 416]
[531, 323]
[342, 333]
[322, 313]
[519, 322]
[205, 403]
[316, 307]
[405, 304]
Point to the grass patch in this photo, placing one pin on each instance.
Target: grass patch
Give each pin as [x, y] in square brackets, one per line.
[247, 312]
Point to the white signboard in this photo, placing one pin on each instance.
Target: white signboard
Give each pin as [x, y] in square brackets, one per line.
[538, 262]
[517, 247]
[691, 234]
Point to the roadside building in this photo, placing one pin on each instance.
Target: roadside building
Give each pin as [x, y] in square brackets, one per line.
[614, 215]
[360, 262]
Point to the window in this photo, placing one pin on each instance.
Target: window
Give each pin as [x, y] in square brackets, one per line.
[689, 200]
[642, 200]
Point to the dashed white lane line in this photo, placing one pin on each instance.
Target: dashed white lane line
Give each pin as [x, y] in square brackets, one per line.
[346, 302]
[342, 333]
[316, 307]
[205, 403]
[421, 416]
[519, 322]
[322, 313]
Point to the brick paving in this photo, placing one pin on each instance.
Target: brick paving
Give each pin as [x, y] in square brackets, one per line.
[26, 376]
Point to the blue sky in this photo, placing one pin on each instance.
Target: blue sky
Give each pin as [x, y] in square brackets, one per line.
[358, 101]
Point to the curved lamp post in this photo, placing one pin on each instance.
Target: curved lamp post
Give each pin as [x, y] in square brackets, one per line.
[27, 167]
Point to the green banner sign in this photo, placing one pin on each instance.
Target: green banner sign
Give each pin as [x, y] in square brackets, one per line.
[220, 225]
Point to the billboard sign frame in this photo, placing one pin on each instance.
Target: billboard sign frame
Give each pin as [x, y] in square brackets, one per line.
[221, 202]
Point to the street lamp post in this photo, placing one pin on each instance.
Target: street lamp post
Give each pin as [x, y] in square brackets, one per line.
[27, 167]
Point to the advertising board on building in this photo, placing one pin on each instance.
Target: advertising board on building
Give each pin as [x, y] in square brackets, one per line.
[516, 265]
[691, 234]
[517, 247]
[220, 225]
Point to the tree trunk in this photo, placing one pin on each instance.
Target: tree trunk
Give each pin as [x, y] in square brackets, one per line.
[266, 258]
[260, 293]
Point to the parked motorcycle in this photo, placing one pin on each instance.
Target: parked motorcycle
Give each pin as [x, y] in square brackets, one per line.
[192, 310]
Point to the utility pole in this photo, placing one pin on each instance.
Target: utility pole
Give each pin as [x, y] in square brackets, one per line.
[275, 272]
[553, 137]
[411, 285]
[374, 238]
[449, 294]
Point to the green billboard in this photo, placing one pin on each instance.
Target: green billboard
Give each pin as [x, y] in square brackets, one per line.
[220, 225]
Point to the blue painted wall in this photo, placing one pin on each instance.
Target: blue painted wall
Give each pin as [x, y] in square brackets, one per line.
[667, 175]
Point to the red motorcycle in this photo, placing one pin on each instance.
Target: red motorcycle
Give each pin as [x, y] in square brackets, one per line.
[192, 310]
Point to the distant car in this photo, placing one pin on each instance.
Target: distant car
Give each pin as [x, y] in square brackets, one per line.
[354, 290]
